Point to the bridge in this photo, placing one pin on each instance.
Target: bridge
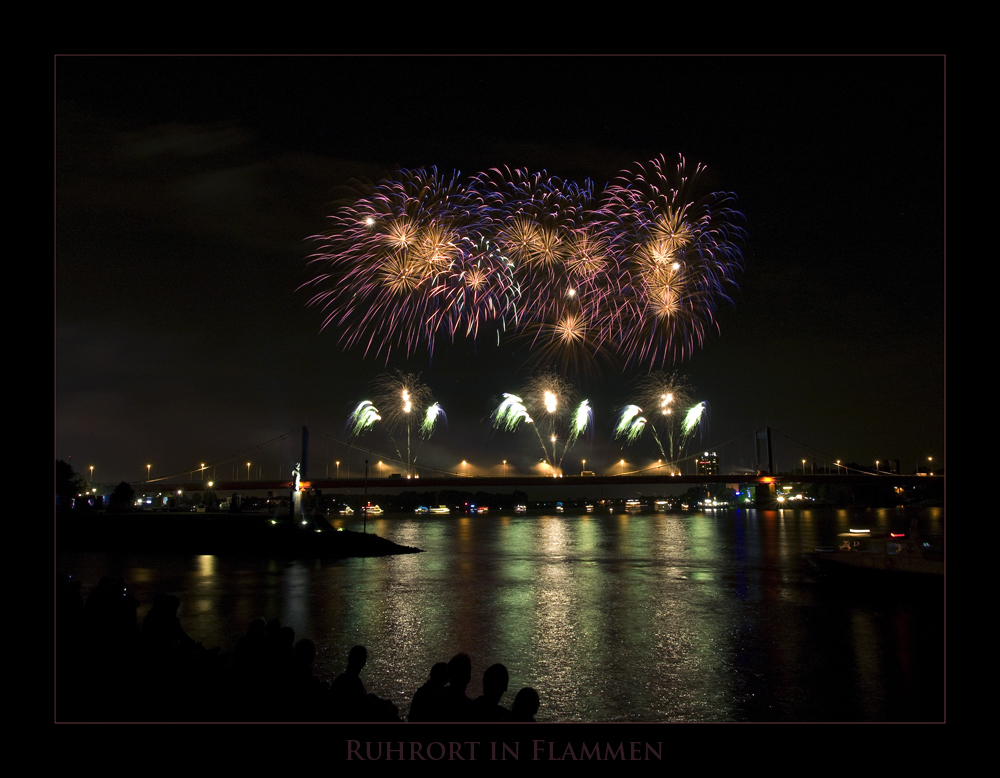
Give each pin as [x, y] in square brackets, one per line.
[656, 478]
[479, 483]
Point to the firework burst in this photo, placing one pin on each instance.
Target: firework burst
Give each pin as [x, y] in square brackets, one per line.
[406, 405]
[635, 274]
[548, 403]
[678, 252]
[670, 414]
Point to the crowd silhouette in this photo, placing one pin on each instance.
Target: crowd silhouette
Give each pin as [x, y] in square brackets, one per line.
[111, 667]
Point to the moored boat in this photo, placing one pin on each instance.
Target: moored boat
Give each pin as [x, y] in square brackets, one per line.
[895, 552]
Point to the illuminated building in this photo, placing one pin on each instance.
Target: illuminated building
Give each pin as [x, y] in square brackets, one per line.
[708, 464]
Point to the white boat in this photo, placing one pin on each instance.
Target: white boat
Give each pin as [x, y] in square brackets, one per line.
[347, 510]
[633, 506]
[441, 509]
[889, 553]
[421, 510]
[521, 509]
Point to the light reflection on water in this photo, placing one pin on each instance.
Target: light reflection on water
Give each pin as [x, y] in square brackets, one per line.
[628, 617]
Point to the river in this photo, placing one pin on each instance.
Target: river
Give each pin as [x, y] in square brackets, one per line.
[642, 617]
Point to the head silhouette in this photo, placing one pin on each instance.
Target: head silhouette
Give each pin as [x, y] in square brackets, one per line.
[439, 674]
[357, 659]
[525, 704]
[495, 681]
[460, 671]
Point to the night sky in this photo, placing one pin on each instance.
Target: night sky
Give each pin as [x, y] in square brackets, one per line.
[187, 189]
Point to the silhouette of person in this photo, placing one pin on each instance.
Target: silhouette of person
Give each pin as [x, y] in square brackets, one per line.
[348, 692]
[457, 705]
[429, 699]
[162, 628]
[487, 706]
[526, 705]
[350, 700]
[307, 692]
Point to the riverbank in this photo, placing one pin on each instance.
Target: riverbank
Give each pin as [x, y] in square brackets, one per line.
[213, 534]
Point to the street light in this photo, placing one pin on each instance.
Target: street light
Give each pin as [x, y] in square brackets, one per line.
[338, 468]
[464, 467]
[622, 470]
[147, 471]
[91, 474]
[505, 468]
[248, 471]
[380, 468]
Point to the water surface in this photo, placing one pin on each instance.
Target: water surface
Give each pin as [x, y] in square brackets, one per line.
[614, 617]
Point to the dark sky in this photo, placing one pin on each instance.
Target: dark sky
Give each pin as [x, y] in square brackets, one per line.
[187, 189]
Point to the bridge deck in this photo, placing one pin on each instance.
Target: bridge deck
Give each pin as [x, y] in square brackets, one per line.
[480, 483]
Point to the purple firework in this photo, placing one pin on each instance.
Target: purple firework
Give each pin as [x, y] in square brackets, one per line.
[636, 273]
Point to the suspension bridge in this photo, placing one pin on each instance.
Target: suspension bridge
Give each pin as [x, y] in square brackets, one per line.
[705, 468]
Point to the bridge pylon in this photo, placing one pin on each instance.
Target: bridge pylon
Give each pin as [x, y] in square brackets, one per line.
[764, 495]
[764, 437]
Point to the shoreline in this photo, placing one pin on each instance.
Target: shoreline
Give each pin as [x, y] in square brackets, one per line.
[213, 534]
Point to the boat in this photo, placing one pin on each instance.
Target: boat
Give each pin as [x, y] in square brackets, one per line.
[894, 552]
[372, 510]
[421, 510]
[441, 509]
[521, 509]
[559, 507]
[347, 510]
[589, 507]
[633, 506]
